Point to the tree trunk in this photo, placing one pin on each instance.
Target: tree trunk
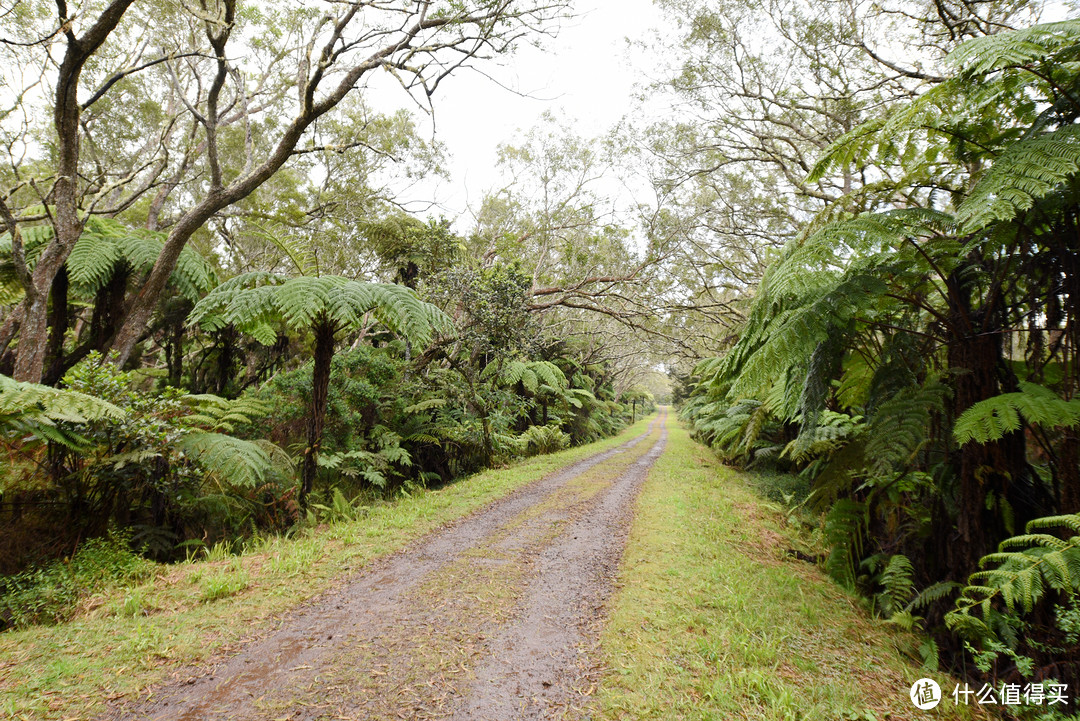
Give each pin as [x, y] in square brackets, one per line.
[58, 321]
[174, 352]
[320, 385]
[10, 326]
[226, 359]
[992, 476]
[1068, 462]
[68, 226]
[108, 305]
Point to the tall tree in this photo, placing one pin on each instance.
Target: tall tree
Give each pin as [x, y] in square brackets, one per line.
[231, 75]
[761, 90]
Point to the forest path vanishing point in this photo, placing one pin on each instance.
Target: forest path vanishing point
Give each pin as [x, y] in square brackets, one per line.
[496, 616]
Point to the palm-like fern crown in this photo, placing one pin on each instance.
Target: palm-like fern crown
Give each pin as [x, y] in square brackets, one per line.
[837, 271]
[257, 302]
[850, 277]
[104, 246]
[995, 417]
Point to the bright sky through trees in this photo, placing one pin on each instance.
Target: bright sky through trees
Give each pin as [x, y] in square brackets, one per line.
[587, 74]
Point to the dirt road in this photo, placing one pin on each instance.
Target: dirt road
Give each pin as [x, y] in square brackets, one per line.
[495, 617]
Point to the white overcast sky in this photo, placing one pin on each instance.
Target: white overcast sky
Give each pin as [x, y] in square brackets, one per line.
[587, 74]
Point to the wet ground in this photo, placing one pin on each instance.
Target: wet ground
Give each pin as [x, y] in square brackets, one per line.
[495, 617]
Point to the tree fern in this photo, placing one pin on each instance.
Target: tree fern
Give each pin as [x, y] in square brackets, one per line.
[898, 427]
[105, 246]
[538, 440]
[831, 431]
[214, 413]
[1015, 48]
[425, 405]
[725, 431]
[255, 301]
[35, 410]
[885, 138]
[529, 373]
[93, 260]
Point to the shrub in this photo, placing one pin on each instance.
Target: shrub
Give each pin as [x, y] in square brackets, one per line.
[51, 594]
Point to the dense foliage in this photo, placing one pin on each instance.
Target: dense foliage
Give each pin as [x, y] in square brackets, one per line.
[915, 363]
[219, 322]
[424, 391]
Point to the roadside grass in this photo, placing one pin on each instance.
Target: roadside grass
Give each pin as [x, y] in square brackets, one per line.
[128, 638]
[713, 619]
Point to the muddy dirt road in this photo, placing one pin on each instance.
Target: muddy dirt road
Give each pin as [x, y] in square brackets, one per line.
[493, 618]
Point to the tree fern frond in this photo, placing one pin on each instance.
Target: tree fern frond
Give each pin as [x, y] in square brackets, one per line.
[933, 593]
[33, 401]
[549, 374]
[232, 460]
[425, 405]
[1070, 521]
[301, 300]
[843, 529]
[1018, 47]
[1022, 569]
[214, 413]
[141, 250]
[898, 427]
[238, 299]
[92, 260]
[1028, 539]
[995, 417]
[1028, 170]
[884, 136]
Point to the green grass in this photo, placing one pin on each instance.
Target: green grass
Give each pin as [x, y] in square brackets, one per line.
[714, 621]
[123, 641]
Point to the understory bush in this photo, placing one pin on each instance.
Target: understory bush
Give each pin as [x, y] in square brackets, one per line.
[51, 593]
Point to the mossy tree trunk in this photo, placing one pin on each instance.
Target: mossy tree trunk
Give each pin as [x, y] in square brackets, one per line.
[320, 385]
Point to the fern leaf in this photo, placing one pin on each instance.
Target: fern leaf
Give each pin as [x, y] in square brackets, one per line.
[993, 418]
[1028, 170]
[93, 260]
[30, 400]
[232, 460]
[425, 405]
[1015, 48]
